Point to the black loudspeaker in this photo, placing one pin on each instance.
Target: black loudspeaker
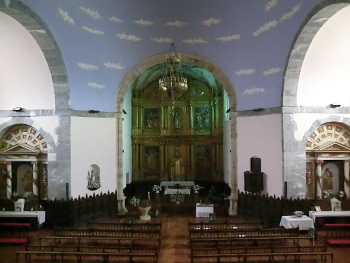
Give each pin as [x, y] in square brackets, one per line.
[253, 182]
[255, 164]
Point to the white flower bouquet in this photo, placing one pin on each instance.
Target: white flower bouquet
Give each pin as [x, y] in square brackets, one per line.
[298, 213]
[134, 201]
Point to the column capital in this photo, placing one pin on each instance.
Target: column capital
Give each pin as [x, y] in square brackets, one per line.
[319, 162]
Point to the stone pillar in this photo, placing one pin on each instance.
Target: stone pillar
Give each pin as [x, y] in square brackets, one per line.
[319, 182]
[35, 179]
[346, 179]
[9, 180]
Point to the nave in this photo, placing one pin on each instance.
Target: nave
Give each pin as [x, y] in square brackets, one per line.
[175, 239]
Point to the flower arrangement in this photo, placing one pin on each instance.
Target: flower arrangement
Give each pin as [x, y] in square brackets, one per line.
[298, 213]
[156, 188]
[196, 188]
[134, 201]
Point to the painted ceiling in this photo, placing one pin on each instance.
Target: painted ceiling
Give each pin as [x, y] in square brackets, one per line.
[101, 41]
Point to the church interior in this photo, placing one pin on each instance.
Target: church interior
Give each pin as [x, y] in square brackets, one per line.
[174, 113]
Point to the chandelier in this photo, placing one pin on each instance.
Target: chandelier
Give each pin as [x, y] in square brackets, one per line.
[173, 80]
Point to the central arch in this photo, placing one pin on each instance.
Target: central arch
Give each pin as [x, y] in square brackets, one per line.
[226, 85]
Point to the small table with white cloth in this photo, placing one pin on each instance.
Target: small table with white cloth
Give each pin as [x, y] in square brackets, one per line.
[304, 222]
[12, 215]
[204, 210]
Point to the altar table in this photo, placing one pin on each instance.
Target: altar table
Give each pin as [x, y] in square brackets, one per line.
[39, 215]
[172, 191]
[313, 214]
[204, 210]
[304, 222]
[179, 183]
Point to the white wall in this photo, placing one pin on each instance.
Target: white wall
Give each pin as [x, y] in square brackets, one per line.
[24, 72]
[93, 142]
[261, 136]
[127, 125]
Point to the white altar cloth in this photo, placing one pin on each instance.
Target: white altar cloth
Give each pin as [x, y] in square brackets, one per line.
[40, 215]
[204, 210]
[180, 183]
[171, 191]
[304, 222]
[313, 214]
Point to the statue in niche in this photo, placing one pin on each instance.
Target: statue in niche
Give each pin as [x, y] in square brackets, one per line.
[327, 180]
[27, 181]
[3, 179]
[177, 120]
[93, 178]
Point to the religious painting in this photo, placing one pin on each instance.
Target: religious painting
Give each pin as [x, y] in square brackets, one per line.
[201, 120]
[151, 162]
[151, 118]
[203, 162]
[93, 178]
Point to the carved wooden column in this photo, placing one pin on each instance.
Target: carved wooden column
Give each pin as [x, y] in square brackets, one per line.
[346, 179]
[9, 180]
[319, 182]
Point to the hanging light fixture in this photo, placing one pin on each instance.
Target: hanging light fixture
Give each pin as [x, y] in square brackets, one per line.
[173, 80]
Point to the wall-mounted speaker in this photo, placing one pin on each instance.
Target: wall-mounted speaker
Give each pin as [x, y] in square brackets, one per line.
[255, 164]
[253, 182]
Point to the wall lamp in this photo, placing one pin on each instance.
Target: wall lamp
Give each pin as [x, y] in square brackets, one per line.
[17, 109]
[335, 105]
[124, 111]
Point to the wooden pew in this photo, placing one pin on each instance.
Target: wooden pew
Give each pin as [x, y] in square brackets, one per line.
[225, 225]
[285, 257]
[95, 249]
[79, 257]
[229, 237]
[106, 241]
[91, 232]
[337, 234]
[125, 226]
[13, 233]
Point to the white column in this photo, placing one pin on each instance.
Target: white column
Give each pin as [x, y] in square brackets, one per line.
[319, 180]
[35, 178]
[346, 179]
[9, 181]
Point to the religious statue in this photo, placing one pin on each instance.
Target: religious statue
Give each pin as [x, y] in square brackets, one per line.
[327, 180]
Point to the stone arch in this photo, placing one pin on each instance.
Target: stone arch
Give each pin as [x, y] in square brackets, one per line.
[126, 84]
[300, 47]
[294, 158]
[33, 24]
[59, 166]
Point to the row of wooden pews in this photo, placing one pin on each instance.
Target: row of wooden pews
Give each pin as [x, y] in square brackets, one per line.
[14, 233]
[243, 242]
[98, 242]
[337, 234]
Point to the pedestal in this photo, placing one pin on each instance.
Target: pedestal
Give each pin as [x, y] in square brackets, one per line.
[144, 213]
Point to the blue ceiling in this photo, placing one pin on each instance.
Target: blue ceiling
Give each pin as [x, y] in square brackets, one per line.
[101, 41]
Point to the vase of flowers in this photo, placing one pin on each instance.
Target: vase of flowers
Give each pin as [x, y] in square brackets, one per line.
[156, 188]
[196, 188]
[298, 213]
